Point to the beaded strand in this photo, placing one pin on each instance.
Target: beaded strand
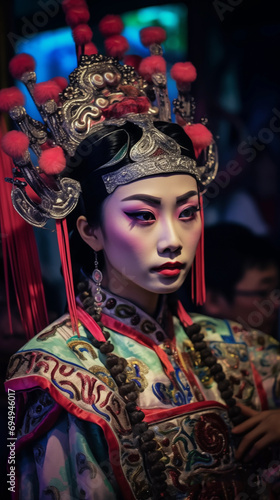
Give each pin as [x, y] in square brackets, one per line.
[216, 370]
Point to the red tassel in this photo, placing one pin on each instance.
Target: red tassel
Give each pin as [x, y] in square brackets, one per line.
[90, 324]
[19, 246]
[183, 316]
[64, 251]
[198, 269]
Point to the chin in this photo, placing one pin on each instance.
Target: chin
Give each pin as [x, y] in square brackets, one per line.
[164, 288]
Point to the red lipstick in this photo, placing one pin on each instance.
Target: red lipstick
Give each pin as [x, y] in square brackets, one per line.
[169, 268]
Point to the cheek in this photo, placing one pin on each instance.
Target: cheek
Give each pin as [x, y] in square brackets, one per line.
[192, 238]
[120, 236]
[195, 237]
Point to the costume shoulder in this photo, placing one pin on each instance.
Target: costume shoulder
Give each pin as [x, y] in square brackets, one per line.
[66, 367]
[250, 358]
[57, 344]
[231, 331]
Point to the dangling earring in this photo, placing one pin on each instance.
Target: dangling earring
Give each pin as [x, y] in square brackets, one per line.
[198, 270]
[97, 278]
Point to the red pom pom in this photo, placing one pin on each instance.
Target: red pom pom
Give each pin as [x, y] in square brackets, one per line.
[151, 65]
[183, 73]
[154, 34]
[52, 161]
[11, 97]
[20, 64]
[15, 144]
[77, 15]
[111, 25]
[45, 91]
[69, 4]
[90, 49]
[60, 81]
[200, 136]
[127, 106]
[116, 46]
[132, 60]
[82, 34]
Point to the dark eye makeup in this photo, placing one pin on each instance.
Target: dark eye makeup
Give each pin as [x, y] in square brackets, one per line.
[189, 212]
[141, 216]
[146, 216]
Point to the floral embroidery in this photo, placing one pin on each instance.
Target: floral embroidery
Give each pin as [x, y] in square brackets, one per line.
[175, 396]
[168, 395]
[211, 435]
[135, 371]
[104, 375]
[80, 346]
[192, 445]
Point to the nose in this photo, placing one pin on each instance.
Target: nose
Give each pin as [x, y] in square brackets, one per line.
[168, 240]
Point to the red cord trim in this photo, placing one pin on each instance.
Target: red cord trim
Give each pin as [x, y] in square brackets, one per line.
[64, 251]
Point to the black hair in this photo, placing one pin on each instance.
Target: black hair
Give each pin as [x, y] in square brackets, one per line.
[93, 153]
[230, 250]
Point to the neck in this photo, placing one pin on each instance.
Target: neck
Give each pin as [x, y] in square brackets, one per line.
[123, 287]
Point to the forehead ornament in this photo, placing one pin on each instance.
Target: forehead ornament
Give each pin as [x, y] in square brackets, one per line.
[153, 154]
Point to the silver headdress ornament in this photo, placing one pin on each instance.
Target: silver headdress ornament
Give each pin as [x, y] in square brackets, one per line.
[101, 91]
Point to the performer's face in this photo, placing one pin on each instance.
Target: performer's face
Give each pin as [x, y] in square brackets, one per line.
[148, 224]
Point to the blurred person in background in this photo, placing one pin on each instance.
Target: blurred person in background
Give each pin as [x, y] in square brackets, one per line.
[242, 277]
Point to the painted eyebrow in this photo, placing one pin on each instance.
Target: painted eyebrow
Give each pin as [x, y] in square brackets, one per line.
[153, 200]
[184, 197]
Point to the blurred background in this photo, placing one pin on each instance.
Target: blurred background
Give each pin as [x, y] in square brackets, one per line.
[234, 44]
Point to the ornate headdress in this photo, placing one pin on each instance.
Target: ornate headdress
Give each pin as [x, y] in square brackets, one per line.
[102, 91]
